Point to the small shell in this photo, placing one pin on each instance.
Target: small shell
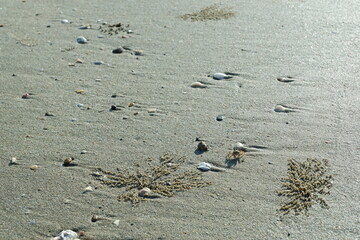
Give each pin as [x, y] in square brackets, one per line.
[198, 85]
[68, 235]
[34, 167]
[204, 166]
[139, 52]
[80, 91]
[64, 21]
[280, 108]
[14, 161]
[144, 192]
[88, 189]
[239, 146]
[117, 222]
[202, 146]
[98, 62]
[81, 40]
[68, 161]
[220, 76]
[152, 110]
[79, 60]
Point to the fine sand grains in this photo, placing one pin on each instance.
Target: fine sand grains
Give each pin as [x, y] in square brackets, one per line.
[305, 182]
[212, 12]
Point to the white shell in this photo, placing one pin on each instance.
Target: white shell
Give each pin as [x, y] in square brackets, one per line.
[198, 85]
[117, 222]
[220, 76]
[280, 108]
[81, 40]
[67, 235]
[144, 192]
[204, 166]
[64, 21]
[88, 189]
[14, 161]
[239, 146]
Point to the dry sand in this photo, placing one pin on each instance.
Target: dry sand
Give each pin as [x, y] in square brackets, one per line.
[316, 42]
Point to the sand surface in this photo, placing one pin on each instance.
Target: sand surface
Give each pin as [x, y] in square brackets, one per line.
[316, 42]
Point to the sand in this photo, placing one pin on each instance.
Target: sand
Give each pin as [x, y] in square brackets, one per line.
[315, 42]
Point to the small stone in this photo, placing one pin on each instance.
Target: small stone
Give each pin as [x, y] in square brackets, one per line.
[118, 50]
[220, 118]
[80, 91]
[81, 40]
[116, 222]
[198, 85]
[25, 96]
[14, 161]
[152, 110]
[83, 152]
[68, 162]
[79, 60]
[114, 108]
[88, 26]
[98, 62]
[48, 114]
[202, 146]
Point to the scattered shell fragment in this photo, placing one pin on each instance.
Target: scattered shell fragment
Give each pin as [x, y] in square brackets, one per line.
[221, 76]
[204, 166]
[144, 192]
[285, 79]
[64, 21]
[80, 91]
[14, 161]
[34, 167]
[198, 85]
[67, 235]
[96, 218]
[88, 189]
[139, 52]
[281, 108]
[202, 146]
[79, 60]
[239, 146]
[118, 50]
[152, 110]
[68, 161]
[117, 222]
[81, 40]
[83, 152]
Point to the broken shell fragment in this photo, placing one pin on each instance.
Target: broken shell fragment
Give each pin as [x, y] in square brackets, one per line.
[34, 167]
[144, 192]
[239, 146]
[202, 146]
[204, 166]
[88, 189]
[198, 85]
[67, 235]
[14, 161]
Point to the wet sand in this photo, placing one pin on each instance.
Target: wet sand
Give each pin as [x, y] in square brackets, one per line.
[315, 43]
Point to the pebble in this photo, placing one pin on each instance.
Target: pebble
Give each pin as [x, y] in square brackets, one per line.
[152, 110]
[139, 52]
[98, 62]
[25, 96]
[83, 152]
[198, 85]
[114, 108]
[116, 222]
[48, 114]
[118, 50]
[202, 146]
[79, 60]
[88, 26]
[220, 118]
[81, 40]
[64, 21]
[80, 105]
[221, 76]
[68, 162]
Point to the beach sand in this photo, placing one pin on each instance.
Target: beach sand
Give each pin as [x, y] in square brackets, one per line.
[315, 42]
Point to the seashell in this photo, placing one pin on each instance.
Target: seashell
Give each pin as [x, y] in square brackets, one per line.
[202, 146]
[139, 52]
[96, 218]
[88, 26]
[221, 76]
[79, 60]
[14, 161]
[280, 108]
[198, 85]
[83, 152]
[34, 167]
[64, 21]
[68, 161]
[80, 91]
[239, 146]
[204, 166]
[285, 79]
[68, 235]
[144, 192]
[98, 62]
[117, 222]
[81, 40]
[88, 189]
[152, 110]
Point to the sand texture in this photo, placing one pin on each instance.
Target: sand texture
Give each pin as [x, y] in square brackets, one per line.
[291, 93]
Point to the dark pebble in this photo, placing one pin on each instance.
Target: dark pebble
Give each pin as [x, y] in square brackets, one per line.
[118, 50]
[220, 118]
[113, 108]
[114, 96]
